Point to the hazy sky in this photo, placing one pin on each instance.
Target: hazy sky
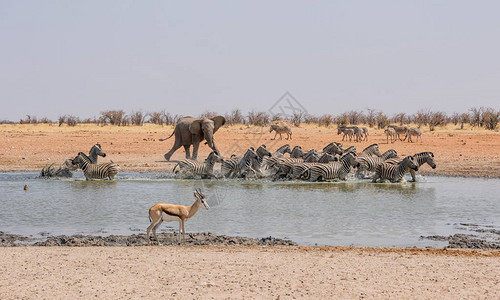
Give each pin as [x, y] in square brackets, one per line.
[81, 58]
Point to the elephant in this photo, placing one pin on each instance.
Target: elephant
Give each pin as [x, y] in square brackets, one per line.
[192, 131]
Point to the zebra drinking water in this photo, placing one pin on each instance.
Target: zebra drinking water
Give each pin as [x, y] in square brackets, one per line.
[94, 171]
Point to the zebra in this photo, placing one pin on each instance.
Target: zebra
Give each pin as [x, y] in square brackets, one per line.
[297, 152]
[311, 156]
[94, 152]
[279, 129]
[333, 148]
[349, 150]
[371, 150]
[390, 132]
[370, 163]
[348, 132]
[364, 134]
[94, 171]
[333, 170]
[258, 163]
[282, 150]
[420, 159]
[283, 166]
[204, 169]
[413, 131]
[394, 172]
[400, 131]
[240, 166]
[302, 168]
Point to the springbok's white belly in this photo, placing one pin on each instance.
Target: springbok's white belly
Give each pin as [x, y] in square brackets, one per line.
[169, 218]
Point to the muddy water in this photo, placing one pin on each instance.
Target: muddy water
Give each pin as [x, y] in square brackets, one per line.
[347, 213]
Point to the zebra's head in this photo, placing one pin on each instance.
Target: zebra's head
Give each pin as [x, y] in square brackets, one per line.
[297, 152]
[80, 158]
[412, 164]
[97, 150]
[213, 157]
[428, 157]
[262, 151]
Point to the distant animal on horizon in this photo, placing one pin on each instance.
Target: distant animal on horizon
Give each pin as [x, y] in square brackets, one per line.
[281, 128]
[192, 131]
[166, 212]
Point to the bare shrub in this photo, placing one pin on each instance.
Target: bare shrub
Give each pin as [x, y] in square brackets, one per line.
[156, 118]
[490, 118]
[437, 119]
[382, 120]
[326, 120]
[113, 117]
[137, 118]
[297, 118]
[170, 119]
[476, 116]
[399, 118]
[371, 117]
[235, 117]
[29, 120]
[422, 117]
[209, 114]
[354, 117]
[342, 120]
[258, 118]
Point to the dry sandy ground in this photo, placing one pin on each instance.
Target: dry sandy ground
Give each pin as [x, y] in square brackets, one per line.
[31, 147]
[183, 272]
[241, 272]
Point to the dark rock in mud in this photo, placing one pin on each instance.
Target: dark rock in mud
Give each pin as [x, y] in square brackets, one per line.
[8, 240]
[465, 241]
[164, 238]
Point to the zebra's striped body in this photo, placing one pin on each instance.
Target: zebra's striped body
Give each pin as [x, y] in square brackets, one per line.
[333, 170]
[348, 132]
[371, 150]
[259, 162]
[413, 132]
[239, 167]
[390, 133]
[369, 163]
[283, 166]
[302, 168]
[420, 159]
[394, 172]
[400, 131]
[205, 169]
[280, 129]
[94, 171]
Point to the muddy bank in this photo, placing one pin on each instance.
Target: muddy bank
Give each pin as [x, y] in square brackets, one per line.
[469, 241]
[205, 238]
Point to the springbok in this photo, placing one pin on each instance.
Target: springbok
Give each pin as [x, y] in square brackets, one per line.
[170, 212]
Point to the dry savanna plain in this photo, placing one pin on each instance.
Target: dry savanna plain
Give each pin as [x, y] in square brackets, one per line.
[234, 272]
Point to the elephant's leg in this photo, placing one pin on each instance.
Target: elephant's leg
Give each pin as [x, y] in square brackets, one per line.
[169, 154]
[188, 151]
[195, 150]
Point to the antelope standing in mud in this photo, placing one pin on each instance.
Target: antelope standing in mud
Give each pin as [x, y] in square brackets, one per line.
[170, 212]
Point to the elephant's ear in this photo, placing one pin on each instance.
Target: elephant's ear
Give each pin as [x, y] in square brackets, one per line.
[195, 127]
[218, 122]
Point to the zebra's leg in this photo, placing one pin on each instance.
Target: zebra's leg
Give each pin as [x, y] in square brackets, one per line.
[275, 134]
[413, 175]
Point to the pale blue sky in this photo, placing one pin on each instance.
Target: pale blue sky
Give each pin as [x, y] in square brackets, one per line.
[80, 58]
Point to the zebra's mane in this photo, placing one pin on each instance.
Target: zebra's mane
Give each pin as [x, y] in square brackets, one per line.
[282, 148]
[370, 147]
[424, 154]
[85, 156]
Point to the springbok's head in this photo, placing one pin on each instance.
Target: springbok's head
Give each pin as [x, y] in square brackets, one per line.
[199, 195]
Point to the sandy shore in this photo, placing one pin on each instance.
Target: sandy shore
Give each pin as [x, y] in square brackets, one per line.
[185, 272]
[31, 147]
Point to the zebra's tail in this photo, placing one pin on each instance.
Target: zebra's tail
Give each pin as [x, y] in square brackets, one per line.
[161, 140]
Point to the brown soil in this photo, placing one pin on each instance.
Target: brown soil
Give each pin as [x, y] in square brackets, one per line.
[31, 147]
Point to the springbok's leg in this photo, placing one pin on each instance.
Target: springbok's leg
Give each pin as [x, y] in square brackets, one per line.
[180, 226]
[183, 233]
[155, 226]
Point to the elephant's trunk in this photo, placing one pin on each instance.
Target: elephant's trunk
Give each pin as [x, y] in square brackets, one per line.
[211, 143]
